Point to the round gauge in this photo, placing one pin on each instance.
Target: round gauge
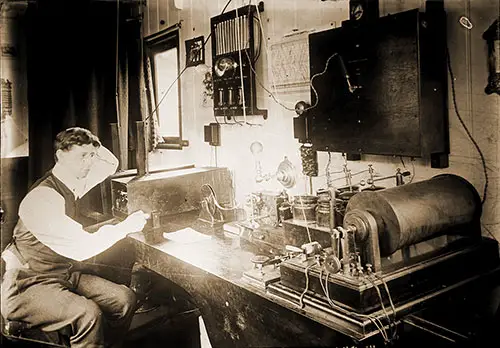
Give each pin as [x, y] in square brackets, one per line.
[224, 64]
[357, 12]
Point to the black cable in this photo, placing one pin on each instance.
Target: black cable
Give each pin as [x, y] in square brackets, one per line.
[491, 234]
[483, 161]
[402, 162]
[225, 7]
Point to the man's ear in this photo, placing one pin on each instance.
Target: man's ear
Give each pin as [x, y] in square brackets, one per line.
[59, 155]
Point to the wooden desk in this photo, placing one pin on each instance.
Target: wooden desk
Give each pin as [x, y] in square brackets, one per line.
[236, 313]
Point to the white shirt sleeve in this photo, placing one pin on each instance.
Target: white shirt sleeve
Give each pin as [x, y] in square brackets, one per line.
[105, 164]
[43, 213]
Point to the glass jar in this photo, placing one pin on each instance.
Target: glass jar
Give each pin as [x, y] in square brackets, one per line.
[304, 208]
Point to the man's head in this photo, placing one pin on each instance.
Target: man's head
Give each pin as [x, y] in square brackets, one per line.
[75, 149]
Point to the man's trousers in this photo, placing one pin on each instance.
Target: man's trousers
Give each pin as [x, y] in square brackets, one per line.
[98, 311]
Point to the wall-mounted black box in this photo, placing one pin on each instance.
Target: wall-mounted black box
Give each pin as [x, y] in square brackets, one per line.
[381, 87]
[212, 134]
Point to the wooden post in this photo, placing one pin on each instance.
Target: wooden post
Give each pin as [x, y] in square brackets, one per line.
[115, 145]
[141, 159]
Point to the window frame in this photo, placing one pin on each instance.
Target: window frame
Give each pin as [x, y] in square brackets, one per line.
[162, 41]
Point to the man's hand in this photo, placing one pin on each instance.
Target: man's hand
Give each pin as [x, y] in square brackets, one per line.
[134, 222]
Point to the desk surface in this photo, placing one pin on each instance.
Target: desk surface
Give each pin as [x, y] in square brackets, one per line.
[211, 271]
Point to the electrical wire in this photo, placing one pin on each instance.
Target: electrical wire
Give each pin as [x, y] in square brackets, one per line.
[375, 321]
[327, 170]
[413, 168]
[215, 150]
[266, 44]
[216, 202]
[225, 120]
[306, 271]
[241, 73]
[311, 81]
[390, 302]
[257, 78]
[402, 162]
[490, 233]
[388, 293]
[310, 84]
[389, 321]
[259, 46]
[343, 177]
[251, 62]
[182, 71]
[273, 82]
[305, 219]
[166, 93]
[455, 105]
[216, 120]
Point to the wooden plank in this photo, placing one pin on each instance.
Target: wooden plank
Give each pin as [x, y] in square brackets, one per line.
[140, 154]
[163, 14]
[115, 143]
[146, 20]
[153, 21]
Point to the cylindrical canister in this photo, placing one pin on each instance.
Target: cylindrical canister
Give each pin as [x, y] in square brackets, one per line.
[285, 211]
[304, 208]
[411, 213]
[323, 210]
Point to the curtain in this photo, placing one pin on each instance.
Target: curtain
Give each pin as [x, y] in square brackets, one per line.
[150, 116]
[74, 79]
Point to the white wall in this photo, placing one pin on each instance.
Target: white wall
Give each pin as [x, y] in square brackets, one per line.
[480, 112]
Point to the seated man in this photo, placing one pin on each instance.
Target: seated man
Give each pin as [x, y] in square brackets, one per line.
[45, 284]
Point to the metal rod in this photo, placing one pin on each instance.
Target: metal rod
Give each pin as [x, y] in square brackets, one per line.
[217, 40]
[241, 33]
[222, 37]
[331, 190]
[233, 35]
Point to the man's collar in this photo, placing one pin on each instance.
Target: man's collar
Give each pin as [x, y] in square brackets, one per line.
[68, 179]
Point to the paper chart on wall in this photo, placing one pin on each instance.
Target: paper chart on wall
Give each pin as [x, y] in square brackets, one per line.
[289, 63]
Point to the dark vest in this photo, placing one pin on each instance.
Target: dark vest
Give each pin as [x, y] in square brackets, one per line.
[42, 261]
